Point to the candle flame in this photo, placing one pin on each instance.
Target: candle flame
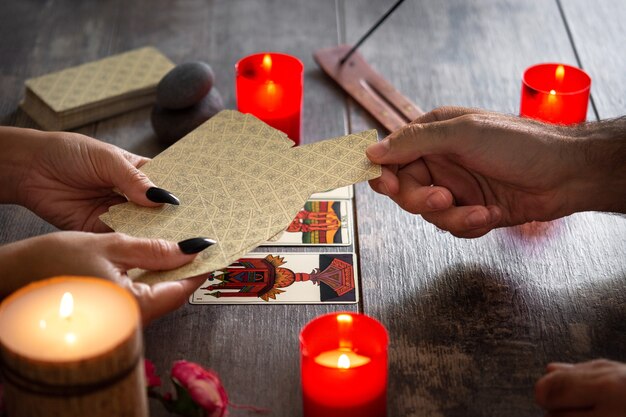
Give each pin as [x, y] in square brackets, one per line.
[344, 318]
[552, 92]
[67, 305]
[559, 73]
[345, 324]
[343, 362]
[70, 338]
[267, 62]
[271, 88]
[42, 324]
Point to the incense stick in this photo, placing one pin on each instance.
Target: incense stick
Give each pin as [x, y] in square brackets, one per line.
[370, 31]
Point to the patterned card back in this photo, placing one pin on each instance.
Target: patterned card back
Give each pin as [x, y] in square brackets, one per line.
[239, 182]
[98, 82]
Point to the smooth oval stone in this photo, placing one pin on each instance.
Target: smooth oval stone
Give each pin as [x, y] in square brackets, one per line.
[184, 85]
[171, 125]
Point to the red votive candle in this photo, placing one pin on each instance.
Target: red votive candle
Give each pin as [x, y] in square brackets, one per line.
[555, 93]
[269, 86]
[344, 366]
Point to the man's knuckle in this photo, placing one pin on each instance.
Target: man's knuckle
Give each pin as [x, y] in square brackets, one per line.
[440, 113]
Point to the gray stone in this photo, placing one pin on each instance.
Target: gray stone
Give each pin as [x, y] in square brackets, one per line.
[184, 85]
[171, 125]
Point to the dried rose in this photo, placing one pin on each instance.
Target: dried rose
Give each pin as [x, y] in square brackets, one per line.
[203, 386]
[152, 379]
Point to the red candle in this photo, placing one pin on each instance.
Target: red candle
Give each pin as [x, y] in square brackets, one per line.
[555, 93]
[269, 86]
[344, 366]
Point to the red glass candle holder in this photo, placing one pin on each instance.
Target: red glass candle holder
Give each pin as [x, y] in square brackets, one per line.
[269, 86]
[344, 366]
[555, 93]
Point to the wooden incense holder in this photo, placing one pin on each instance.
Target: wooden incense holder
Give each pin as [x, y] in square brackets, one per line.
[386, 104]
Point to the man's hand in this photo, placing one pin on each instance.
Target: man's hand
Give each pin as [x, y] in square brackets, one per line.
[469, 171]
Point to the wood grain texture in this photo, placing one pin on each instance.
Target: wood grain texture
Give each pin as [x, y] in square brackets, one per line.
[253, 348]
[367, 87]
[599, 34]
[474, 322]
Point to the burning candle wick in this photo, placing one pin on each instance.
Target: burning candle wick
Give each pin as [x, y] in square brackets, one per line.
[559, 73]
[344, 318]
[66, 307]
[70, 338]
[343, 362]
[267, 62]
[271, 88]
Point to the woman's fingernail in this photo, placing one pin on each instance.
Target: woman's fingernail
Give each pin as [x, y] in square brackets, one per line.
[476, 219]
[379, 149]
[159, 195]
[437, 201]
[195, 245]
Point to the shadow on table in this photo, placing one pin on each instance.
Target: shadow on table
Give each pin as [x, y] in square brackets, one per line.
[477, 340]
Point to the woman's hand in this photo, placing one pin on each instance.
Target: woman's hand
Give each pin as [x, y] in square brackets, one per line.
[69, 179]
[109, 256]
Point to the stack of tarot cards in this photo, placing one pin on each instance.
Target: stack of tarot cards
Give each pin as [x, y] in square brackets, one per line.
[95, 90]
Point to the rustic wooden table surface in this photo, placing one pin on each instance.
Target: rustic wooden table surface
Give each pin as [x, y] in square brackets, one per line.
[472, 323]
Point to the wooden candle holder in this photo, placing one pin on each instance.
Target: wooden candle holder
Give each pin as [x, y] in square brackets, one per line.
[386, 104]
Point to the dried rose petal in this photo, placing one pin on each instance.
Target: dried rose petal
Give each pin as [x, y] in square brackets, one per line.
[204, 387]
[152, 379]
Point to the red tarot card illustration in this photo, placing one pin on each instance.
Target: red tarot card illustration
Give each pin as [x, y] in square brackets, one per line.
[283, 278]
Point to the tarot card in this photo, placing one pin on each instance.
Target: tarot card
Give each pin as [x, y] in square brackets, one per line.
[341, 193]
[283, 278]
[319, 223]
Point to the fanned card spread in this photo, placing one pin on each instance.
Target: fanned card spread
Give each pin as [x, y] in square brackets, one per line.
[241, 183]
[95, 90]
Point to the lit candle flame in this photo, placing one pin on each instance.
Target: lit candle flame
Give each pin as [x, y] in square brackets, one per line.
[271, 88]
[343, 362]
[345, 323]
[552, 92]
[344, 318]
[559, 73]
[267, 62]
[70, 338]
[341, 358]
[67, 305]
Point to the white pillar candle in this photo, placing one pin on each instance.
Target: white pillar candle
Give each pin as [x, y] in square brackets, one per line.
[69, 341]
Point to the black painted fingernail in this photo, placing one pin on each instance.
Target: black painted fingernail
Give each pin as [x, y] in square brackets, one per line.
[159, 195]
[195, 245]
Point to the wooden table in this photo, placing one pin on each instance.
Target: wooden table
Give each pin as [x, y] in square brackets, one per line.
[472, 322]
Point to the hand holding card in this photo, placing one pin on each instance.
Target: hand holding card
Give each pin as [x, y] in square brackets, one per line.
[240, 182]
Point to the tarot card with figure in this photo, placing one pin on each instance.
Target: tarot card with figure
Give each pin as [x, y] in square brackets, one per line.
[319, 223]
[341, 193]
[283, 278]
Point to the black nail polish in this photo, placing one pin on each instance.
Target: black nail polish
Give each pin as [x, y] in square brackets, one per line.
[159, 195]
[195, 245]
